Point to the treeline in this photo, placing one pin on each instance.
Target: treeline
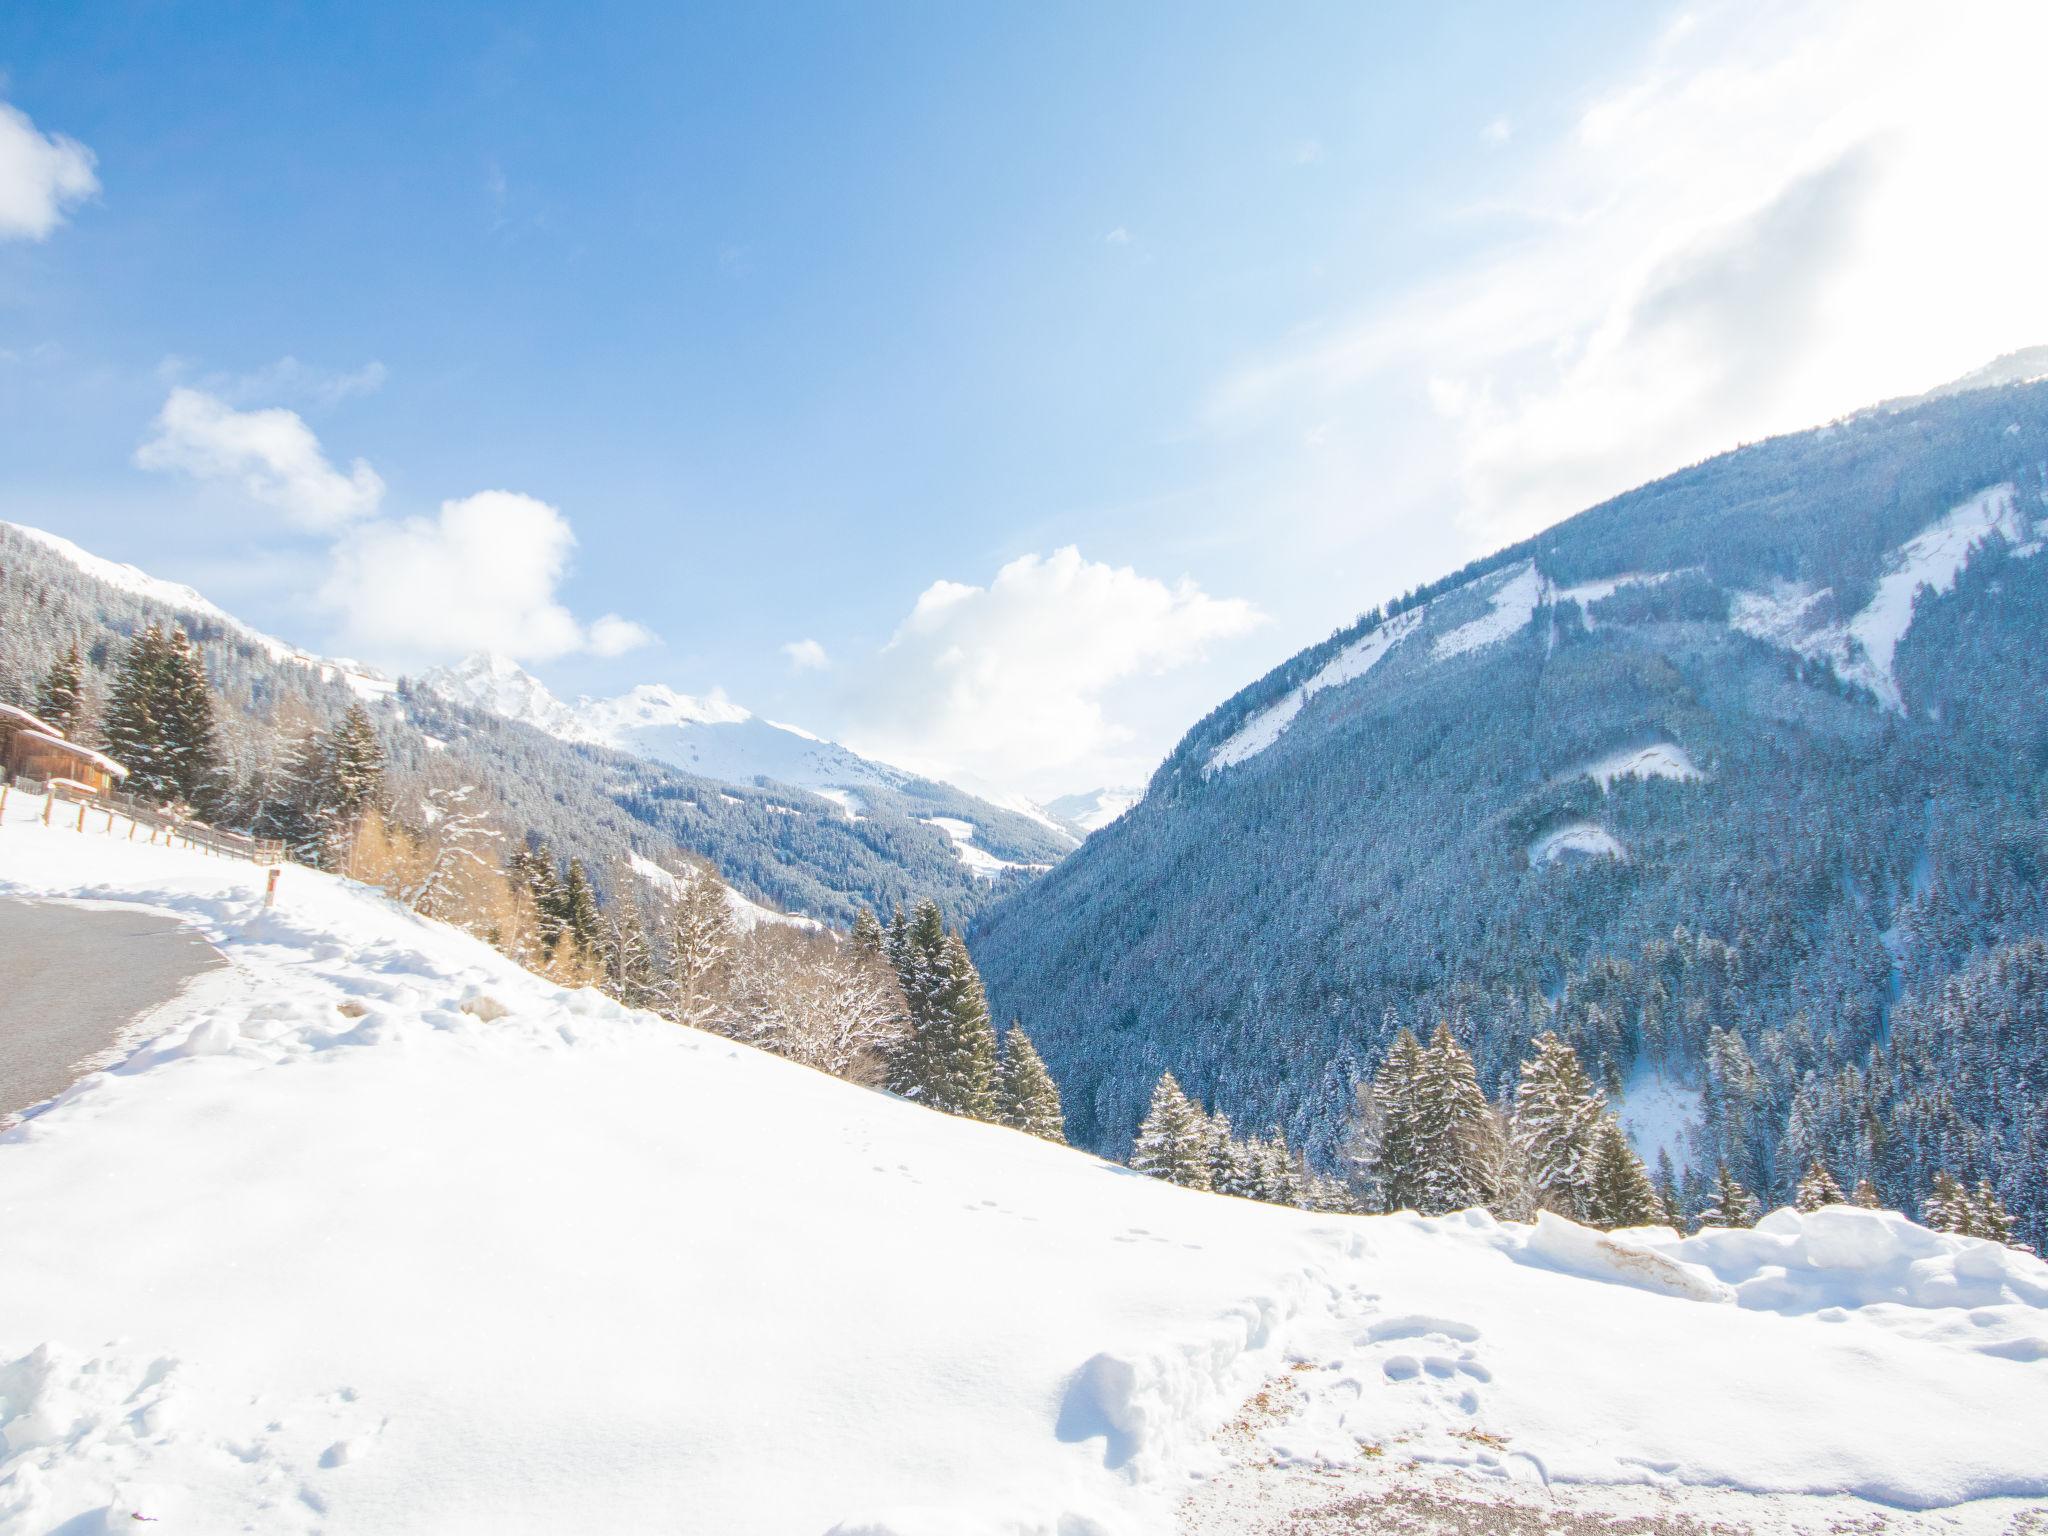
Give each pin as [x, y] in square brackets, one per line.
[1424, 1137]
[901, 1008]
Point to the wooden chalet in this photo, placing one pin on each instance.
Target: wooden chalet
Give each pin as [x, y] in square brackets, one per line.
[32, 748]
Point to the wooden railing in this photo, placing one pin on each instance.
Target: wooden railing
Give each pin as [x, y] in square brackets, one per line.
[174, 831]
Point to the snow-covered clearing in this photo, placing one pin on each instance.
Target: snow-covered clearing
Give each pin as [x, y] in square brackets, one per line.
[1349, 664]
[1862, 649]
[1659, 1115]
[1658, 760]
[1515, 600]
[1576, 840]
[333, 1251]
[979, 860]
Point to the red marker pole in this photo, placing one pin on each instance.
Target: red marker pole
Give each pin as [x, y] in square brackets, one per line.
[270, 890]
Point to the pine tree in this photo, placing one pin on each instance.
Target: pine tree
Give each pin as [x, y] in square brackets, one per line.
[1732, 1205]
[1817, 1188]
[188, 724]
[134, 726]
[1277, 1177]
[1390, 1134]
[867, 936]
[351, 768]
[1231, 1171]
[1027, 1099]
[1457, 1136]
[1948, 1208]
[1667, 1191]
[1557, 1121]
[1620, 1192]
[1172, 1141]
[1988, 1216]
[1867, 1196]
[581, 920]
[948, 1060]
[61, 699]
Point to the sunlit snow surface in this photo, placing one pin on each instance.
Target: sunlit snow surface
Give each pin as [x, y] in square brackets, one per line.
[331, 1252]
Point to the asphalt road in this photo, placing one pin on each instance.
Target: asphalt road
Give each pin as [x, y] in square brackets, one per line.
[71, 980]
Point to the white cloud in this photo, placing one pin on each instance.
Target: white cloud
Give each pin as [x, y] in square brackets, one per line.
[1771, 219]
[807, 656]
[1499, 131]
[1011, 682]
[1306, 152]
[612, 635]
[1117, 236]
[271, 455]
[40, 176]
[482, 575]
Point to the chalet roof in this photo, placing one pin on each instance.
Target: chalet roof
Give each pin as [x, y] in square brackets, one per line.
[22, 719]
[97, 759]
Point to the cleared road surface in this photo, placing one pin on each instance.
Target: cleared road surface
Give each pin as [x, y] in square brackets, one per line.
[71, 981]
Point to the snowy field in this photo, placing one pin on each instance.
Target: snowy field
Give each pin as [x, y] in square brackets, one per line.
[341, 1247]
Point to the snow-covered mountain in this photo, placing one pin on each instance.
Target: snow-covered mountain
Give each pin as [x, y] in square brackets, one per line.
[1094, 809]
[1730, 781]
[715, 738]
[708, 735]
[617, 1275]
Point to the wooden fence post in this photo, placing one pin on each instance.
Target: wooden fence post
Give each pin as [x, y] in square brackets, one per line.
[81, 815]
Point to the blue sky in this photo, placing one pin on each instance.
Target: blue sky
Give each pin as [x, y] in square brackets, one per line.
[825, 331]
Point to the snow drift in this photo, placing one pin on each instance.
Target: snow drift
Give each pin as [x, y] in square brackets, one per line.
[373, 1232]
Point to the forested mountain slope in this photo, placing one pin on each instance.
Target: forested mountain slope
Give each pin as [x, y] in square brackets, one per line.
[1742, 776]
[781, 845]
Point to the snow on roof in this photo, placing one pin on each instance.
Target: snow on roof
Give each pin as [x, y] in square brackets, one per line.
[97, 759]
[35, 723]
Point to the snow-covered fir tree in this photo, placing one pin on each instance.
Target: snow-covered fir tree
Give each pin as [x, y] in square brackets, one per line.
[1817, 1187]
[1620, 1193]
[1731, 1205]
[159, 722]
[1173, 1138]
[1557, 1120]
[1866, 1196]
[1948, 1207]
[1458, 1136]
[1027, 1099]
[948, 1058]
[60, 697]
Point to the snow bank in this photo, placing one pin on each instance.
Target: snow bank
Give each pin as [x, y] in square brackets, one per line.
[378, 1233]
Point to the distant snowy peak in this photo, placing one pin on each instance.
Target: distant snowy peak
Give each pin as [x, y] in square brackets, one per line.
[708, 735]
[656, 704]
[498, 685]
[1093, 809]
